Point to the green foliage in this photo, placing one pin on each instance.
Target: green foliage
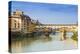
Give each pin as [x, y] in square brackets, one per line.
[75, 36]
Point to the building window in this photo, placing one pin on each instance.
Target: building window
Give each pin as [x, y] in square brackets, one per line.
[14, 13]
[18, 25]
[15, 21]
[15, 25]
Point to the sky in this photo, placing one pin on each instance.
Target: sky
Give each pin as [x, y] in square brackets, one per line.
[48, 13]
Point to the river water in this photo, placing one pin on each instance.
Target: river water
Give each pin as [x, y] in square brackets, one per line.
[43, 43]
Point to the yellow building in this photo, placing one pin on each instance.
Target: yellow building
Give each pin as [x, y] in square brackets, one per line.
[19, 22]
[15, 21]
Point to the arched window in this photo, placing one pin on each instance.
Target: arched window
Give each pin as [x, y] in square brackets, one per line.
[14, 23]
[18, 25]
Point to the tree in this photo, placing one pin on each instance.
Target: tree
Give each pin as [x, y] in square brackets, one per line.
[75, 36]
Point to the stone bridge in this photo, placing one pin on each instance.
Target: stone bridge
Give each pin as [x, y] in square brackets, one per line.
[63, 28]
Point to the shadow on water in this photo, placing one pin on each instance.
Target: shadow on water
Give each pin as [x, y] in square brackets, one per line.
[47, 39]
[19, 45]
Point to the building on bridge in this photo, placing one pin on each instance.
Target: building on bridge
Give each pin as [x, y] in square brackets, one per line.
[68, 27]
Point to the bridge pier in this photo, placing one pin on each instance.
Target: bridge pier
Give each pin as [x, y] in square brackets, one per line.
[63, 35]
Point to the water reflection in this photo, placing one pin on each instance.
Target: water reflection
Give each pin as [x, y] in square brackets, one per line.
[43, 43]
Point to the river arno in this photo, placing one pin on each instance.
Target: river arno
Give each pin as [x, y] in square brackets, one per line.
[42, 43]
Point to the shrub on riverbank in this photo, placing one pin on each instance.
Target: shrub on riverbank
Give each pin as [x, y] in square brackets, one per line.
[75, 36]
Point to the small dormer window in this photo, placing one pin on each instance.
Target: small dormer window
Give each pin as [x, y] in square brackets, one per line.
[14, 13]
[25, 18]
[15, 21]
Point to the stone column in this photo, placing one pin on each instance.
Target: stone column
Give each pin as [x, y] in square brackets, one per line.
[61, 36]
